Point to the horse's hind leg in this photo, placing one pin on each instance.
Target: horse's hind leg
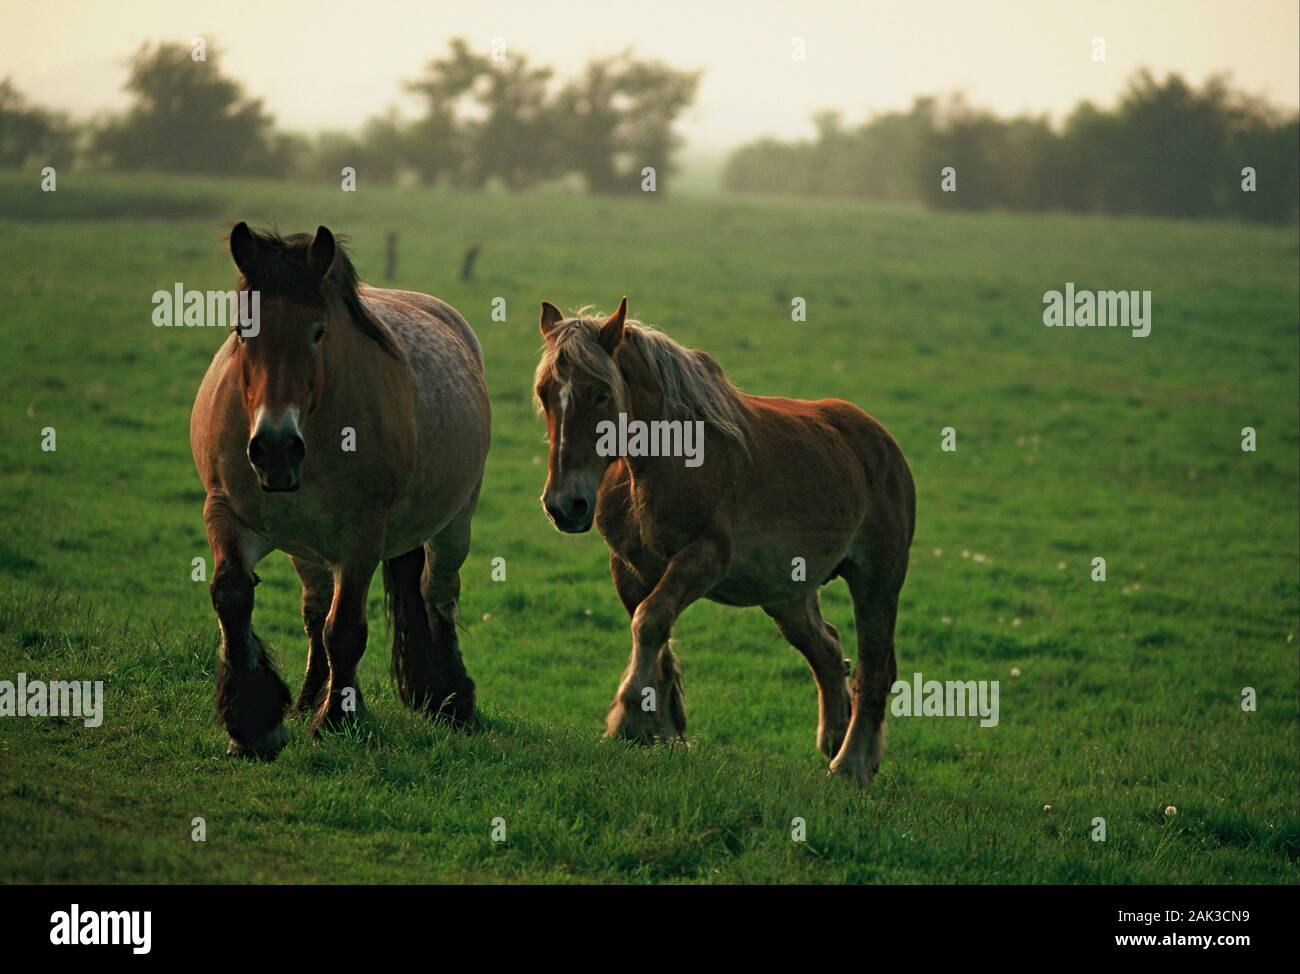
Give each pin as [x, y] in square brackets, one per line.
[804, 628]
[875, 609]
[444, 554]
[251, 697]
[317, 594]
[451, 691]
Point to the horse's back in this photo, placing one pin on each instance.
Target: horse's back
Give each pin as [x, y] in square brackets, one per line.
[889, 478]
[887, 490]
[444, 353]
[383, 301]
[452, 411]
[839, 421]
[823, 472]
[810, 438]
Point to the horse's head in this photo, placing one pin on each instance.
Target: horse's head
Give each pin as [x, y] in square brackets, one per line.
[281, 362]
[577, 387]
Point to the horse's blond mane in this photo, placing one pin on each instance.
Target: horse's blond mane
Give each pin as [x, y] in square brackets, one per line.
[692, 384]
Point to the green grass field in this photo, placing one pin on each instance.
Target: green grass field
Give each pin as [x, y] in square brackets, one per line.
[1071, 444]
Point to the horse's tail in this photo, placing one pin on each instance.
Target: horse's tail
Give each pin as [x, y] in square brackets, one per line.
[427, 666]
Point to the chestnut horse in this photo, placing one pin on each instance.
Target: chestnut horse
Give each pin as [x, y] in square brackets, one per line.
[349, 427]
[786, 496]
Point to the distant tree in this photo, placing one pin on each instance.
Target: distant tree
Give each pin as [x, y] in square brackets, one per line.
[885, 149]
[325, 156]
[483, 120]
[588, 113]
[998, 163]
[376, 153]
[771, 166]
[511, 142]
[617, 117]
[435, 145]
[878, 160]
[1167, 149]
[188, 117]
[1267, 141]
[30, 135]
[656, 94]
[487, 120]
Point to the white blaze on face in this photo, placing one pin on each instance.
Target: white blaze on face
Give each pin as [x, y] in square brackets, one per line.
[566, 396]
[264, 422]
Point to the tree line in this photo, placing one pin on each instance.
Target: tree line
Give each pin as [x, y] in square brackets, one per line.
[485, 120]
[1167, 149]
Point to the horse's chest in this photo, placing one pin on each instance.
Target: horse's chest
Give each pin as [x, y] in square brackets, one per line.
[647, 529]
[299, 525]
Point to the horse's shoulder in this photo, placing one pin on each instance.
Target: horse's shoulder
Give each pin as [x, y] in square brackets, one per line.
[217, 367]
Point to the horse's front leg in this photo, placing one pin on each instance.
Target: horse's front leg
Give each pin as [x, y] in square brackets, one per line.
[345, 640]
[650, 701]
[317, 596]
[251, 697]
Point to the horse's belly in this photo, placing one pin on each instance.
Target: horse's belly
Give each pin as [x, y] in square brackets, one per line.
[425, 511]
[448, 471]
[772, 563]
[742, 587]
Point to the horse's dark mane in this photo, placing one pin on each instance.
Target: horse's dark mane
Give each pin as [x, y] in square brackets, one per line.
[281, 269]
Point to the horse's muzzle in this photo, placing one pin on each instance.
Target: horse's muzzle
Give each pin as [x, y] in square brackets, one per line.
[571, 514]
[277, 458]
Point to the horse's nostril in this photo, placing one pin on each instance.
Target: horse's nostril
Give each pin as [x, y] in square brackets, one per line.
[276, 449]
[568, 513]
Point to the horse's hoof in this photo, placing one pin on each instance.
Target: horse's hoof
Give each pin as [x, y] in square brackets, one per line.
[456, 709]
[305, 706]
[830, 744]
[860, 778]
[625, 734]
[628, 723]
[264, 748]
[459, 720]
[334, 721]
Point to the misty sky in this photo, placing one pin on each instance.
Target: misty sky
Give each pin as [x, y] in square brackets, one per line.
[324, 64]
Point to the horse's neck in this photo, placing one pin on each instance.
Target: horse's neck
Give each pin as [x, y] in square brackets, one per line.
[657, 476]
[638, 407]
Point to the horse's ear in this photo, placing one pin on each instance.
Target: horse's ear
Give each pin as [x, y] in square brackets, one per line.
[611, 332]
[551, 317]
[320, 255]
[243, 248]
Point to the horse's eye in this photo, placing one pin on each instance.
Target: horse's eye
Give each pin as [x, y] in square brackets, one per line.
[601, 398]
[320, 333]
